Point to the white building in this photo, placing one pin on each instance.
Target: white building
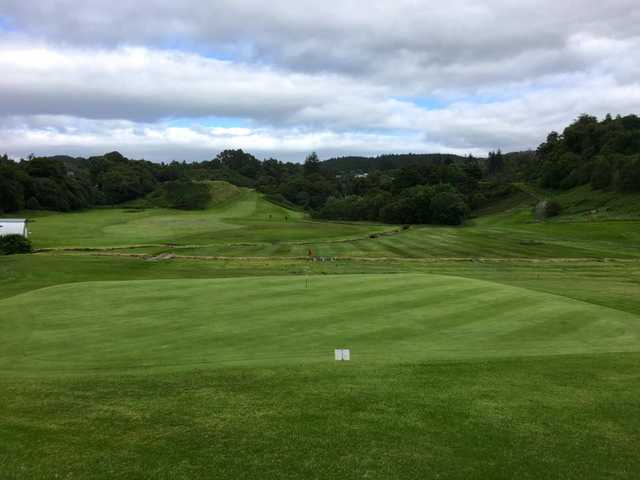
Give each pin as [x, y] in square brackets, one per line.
[13, 226]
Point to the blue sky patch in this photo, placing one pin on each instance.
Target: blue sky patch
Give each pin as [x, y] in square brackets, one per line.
[6, 25]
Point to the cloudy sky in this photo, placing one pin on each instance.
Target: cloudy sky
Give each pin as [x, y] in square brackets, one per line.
[185, 79]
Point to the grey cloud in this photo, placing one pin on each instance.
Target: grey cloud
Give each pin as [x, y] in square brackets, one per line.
[145, 85]
[379, 41]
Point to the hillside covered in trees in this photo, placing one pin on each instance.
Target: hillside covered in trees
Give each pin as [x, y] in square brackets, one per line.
[605, 154]
[408, 189]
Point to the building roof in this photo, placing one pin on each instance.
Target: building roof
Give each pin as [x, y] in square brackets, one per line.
[13, 226]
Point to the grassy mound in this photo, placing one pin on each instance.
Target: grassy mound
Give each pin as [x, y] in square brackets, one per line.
[219, 193]
[187, 324]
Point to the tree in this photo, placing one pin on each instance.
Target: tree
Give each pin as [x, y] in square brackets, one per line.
[588, 151]
[12, 181]
[241, 162]
[495, 163]
[601, 174]
[33, 204]
[45, 168]
[629, 174]
[312, 164]
[123, 182]
[448, 208]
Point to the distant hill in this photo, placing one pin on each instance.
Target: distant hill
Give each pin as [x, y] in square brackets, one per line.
[390, 162]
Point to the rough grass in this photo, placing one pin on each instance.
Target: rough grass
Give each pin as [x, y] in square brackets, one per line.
[588, 205]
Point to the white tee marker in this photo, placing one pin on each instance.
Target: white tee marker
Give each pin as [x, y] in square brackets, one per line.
[342, 354]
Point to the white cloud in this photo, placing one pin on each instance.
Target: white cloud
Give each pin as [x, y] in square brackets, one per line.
[147, 84]
[63, 135]
[95, 75]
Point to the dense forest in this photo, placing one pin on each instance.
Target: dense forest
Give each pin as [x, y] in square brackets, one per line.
[605, 154]
[407, 189]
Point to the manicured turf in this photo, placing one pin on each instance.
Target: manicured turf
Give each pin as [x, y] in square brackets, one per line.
[245, 217]
[186, 324]
[244, 224]
[569, 417]
[520, 361]
[550, 416]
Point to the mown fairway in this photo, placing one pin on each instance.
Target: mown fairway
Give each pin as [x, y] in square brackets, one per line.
[243, 217]
[521, 365]
[244, 224]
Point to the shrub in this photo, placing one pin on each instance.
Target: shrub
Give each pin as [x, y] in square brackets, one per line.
[552, 209]
[13, 244]
[448, 208]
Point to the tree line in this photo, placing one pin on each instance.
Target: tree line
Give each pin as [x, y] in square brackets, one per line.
[439, 189]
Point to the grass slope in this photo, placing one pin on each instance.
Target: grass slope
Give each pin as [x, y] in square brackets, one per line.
[185, 324]
[587, 205]
[245, 217]
[220, 192]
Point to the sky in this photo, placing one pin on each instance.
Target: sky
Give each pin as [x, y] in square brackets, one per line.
[183, 80]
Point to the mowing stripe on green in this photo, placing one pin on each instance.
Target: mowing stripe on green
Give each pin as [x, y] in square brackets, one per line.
[187, 324]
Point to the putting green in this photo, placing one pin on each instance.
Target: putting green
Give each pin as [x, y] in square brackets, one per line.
[186, 324]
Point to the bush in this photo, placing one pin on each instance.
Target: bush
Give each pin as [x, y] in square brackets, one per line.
[13, 244]
[552, 209]
[448, 208]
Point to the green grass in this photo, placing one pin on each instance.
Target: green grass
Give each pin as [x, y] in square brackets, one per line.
[570, 417]
[220, 192]
[588, 205]
[71, 389]
[245, 224]
[507, 348]
[614, 284]
[284, 320]
[246, 217]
